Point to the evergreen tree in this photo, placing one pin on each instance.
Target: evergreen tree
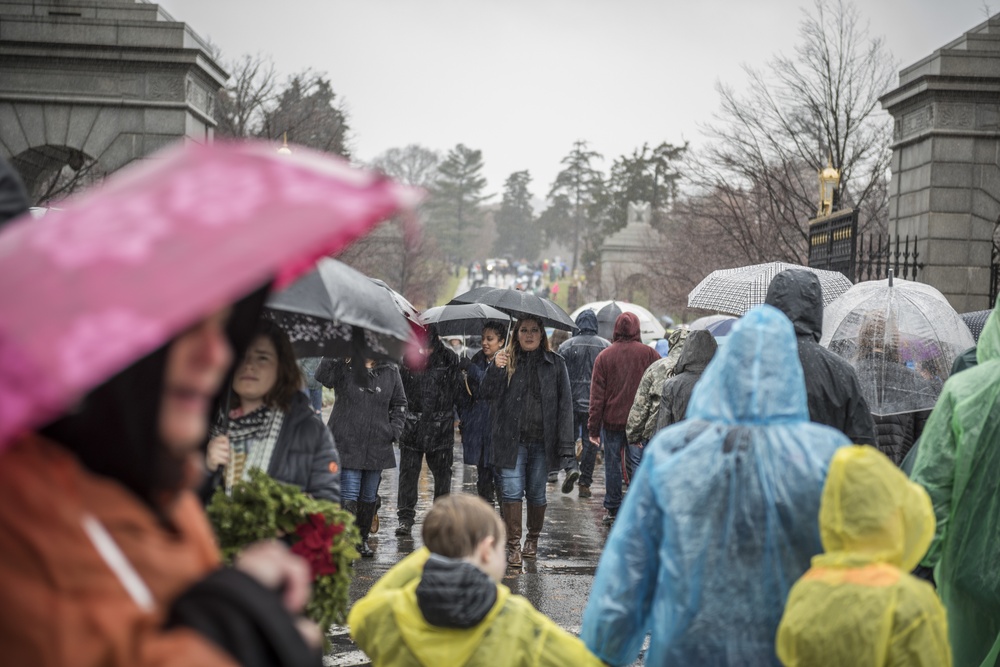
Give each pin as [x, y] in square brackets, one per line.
[455, 200]
[581, 184]
[517, 232]
[646, 175]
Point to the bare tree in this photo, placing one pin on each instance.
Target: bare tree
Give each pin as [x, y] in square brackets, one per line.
[250, 93]
[413, 165]
[756, 182]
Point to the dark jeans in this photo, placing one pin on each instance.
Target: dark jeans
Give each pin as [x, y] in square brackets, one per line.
[359, 485]
[528, 476]
[614, 443]
[580, 425]
[439, 461]
[631, 457]
[588, 458]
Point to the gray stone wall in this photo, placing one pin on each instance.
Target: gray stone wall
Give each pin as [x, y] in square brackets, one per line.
[945, 185]
[113, 79]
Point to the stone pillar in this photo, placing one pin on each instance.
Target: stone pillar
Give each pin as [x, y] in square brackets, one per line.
[945, 185]
[627, 254]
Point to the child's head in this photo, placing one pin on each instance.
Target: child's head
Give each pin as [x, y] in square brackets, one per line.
[466, 527]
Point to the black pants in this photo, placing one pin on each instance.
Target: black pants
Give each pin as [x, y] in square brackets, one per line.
[439, 461]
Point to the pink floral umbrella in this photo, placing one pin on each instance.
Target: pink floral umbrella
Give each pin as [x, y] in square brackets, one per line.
[125, 267]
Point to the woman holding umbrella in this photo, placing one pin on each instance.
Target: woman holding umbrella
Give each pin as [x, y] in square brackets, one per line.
[477, 426]
[533, 428]
[368, 415]
[273, 426]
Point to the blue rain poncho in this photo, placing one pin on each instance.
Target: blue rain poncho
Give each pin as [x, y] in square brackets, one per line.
[722, 516]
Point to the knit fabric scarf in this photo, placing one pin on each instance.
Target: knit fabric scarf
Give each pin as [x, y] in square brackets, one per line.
[252, 438]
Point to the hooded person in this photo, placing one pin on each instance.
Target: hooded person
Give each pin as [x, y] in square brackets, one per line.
[641, 425]
[958, 462]
[676, 392]
[617, 373]
[721, 517]
[835, 396]
[106, 556]
[13, 197]
[857, 604]
[444, 603]
[580, 353]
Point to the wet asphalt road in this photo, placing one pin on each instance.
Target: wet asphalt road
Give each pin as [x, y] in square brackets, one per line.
[557, 583]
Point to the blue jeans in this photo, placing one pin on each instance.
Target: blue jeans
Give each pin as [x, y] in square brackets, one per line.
[588, 458]
[631, 457]
[580, 425]
[359, 485]
[614, 443]
[528, 476]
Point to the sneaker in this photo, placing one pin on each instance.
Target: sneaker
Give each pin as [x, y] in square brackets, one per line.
[609, 517]
[584, 491]
[365, 550]
[571, 478]
[404, 529]
[553, 477]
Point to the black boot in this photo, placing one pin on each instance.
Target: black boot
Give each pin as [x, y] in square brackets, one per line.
[366, 512]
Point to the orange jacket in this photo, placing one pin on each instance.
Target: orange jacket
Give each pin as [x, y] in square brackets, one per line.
[61, 603]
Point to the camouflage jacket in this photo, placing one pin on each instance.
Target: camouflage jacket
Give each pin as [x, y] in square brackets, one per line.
[642, 417]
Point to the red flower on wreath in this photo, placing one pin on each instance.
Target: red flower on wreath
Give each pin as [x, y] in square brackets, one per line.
[316, 542]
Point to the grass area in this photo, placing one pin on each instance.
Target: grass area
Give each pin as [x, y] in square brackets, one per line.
[448, 291]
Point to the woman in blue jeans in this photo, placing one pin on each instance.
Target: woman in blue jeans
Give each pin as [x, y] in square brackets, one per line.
[532, 429]
[369, 410]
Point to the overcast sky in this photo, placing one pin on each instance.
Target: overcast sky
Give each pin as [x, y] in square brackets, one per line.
[522, 79]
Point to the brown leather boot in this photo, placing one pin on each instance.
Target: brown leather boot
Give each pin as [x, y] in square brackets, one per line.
[512, 522]
[536, 517]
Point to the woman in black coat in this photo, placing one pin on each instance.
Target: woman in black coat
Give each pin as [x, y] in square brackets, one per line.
[532, 429]
[432, 395]
[368, 414]
[477, 424]
[272, 426]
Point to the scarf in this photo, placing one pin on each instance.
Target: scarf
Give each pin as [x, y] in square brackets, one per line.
[252, 438]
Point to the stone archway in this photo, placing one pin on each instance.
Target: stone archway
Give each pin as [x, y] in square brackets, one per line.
[95, 84]
[625, 257]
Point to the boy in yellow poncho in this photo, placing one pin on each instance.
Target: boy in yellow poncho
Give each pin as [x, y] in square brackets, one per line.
[443, 605]
[857, 605]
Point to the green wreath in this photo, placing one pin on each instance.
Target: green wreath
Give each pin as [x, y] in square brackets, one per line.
[318, 530]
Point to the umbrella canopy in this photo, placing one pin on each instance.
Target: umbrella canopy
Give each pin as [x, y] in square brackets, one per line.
[650, 328]
[162, 244]
[738, 290]
[707, 321]
[606, 318]
[901, 337]
[336, 311]
[518, 304]
[975, 321]
[402, 303]
[462, 320]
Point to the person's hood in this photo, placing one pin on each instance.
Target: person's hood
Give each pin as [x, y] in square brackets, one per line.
[756, 377]
[586, 322]
[988, 347]
[871, 513]
[439, 645]
[798, 294]
[454, 594]
[13, 197]
[627, 328]
[698, 350]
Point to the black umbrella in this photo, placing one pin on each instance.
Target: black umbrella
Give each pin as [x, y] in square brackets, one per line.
[606, 318]
[402, 304]
[336, 311]
[975, 321]
[462, 320]
[519, 304]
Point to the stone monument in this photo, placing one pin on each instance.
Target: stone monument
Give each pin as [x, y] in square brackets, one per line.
[99, 80]
[945, 185]
[625, 256]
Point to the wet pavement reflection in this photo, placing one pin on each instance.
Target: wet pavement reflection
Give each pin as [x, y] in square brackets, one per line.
[557, 583]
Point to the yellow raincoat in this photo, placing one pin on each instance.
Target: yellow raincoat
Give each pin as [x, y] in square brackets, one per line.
[388, 626]
[857, 605]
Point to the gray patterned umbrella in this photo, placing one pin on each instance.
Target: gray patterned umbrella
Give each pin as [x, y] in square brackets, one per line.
[975, 321]
[738, 290]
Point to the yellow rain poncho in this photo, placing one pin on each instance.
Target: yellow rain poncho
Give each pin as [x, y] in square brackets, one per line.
[857, 605]
[388, 626]
[959, 464]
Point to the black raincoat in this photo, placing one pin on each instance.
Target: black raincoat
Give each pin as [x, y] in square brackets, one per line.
[367, 415]
[832, 387]
[557, 411]
[432, 396]
[580, 353]
[698, 350]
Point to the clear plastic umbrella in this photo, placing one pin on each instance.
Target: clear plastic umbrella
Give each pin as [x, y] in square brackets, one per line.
[901, 337]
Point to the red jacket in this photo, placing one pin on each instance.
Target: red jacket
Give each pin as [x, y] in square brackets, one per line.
[617, 372]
